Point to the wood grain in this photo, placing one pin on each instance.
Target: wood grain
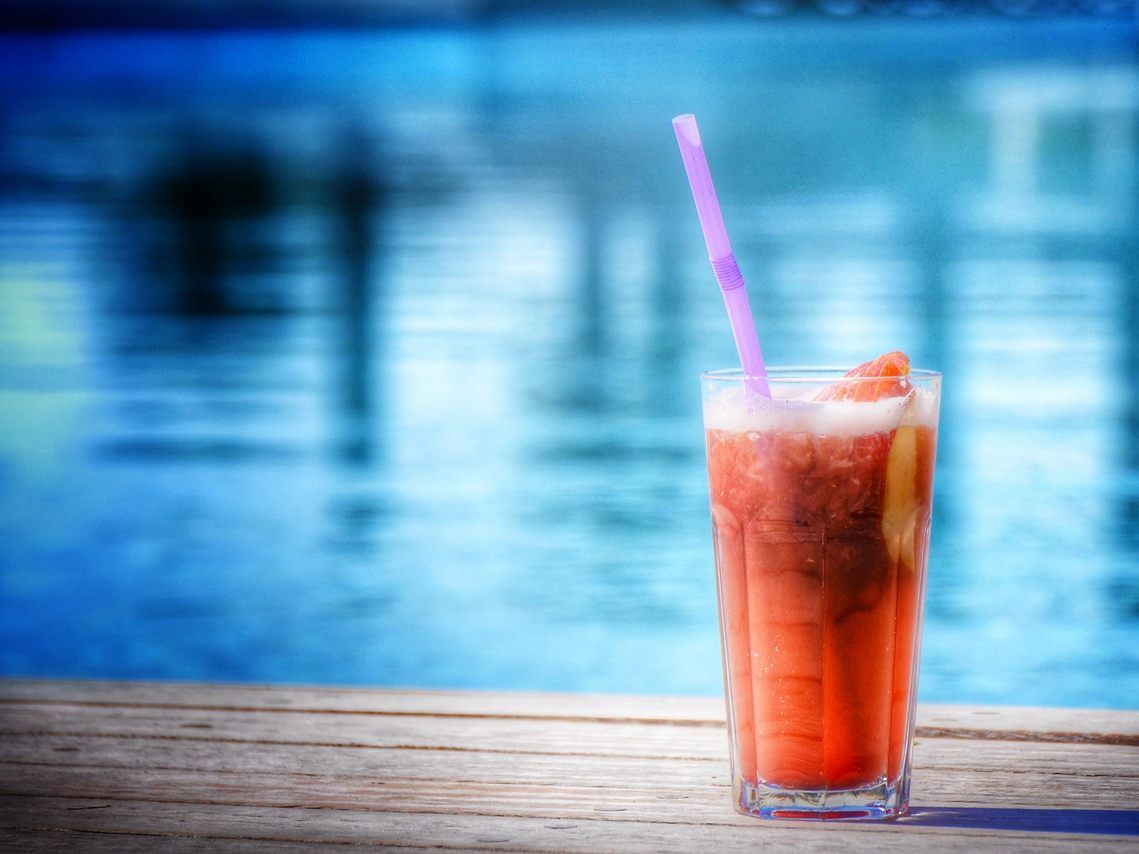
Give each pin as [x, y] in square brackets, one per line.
[932, 754]
[471, 832]
[136, 766]
[1005, 722]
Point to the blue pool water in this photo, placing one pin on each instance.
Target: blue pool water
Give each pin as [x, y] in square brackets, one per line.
[373, 357]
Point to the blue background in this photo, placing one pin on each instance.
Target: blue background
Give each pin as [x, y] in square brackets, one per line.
[370, 354]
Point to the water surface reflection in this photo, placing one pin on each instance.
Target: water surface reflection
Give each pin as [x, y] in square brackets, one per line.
[374, 360]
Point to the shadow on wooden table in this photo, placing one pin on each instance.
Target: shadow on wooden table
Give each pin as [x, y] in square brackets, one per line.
[1114, 822]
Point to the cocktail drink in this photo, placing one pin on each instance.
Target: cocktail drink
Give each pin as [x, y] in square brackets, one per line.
[821, 485]
[821, 501]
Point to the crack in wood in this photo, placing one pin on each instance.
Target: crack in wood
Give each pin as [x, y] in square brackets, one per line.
[178, 707]
[351, 745]
[1119, 739]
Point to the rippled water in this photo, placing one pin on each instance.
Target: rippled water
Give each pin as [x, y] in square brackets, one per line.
[372, 358]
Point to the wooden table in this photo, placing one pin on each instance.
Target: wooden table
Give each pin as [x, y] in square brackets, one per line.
[98, 766]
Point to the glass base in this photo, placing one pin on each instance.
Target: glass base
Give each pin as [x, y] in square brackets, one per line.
[881, 800]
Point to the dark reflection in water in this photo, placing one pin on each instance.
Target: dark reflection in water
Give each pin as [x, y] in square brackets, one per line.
[373, 357]
[206, 207]
[358, 196]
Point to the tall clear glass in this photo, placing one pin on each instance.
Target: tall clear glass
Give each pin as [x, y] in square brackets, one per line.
[821, 509]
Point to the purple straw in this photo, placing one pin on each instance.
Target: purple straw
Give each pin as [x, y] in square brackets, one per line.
[720, 253]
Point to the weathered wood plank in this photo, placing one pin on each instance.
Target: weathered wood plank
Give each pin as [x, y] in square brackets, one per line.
[101, 842]
[934, 754]
[621, 738]
[653, 798]
[442, 743]
[1006, 723]
[244, 767]
[508, 704]
[1010, 723]
[580, 738]
[1065, 772]
[479, 832]
[458, 766]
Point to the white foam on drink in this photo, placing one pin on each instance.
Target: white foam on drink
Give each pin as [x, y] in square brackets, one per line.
[735, 409]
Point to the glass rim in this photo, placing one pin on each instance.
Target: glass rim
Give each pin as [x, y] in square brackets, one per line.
[810, 374]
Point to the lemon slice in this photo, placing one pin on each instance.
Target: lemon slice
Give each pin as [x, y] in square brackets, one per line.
[899, 512]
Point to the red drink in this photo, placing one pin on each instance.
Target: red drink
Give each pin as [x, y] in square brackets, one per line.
[821, 519]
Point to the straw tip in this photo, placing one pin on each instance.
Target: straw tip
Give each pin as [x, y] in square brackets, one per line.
[685, 126]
